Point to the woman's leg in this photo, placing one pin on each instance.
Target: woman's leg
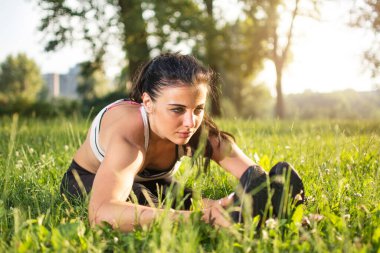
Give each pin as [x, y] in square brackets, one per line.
[141, 192]
[284, 181]
[157, 190]
[76, 182]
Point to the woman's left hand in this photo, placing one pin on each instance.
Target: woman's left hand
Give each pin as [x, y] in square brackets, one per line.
[216, 215]
[223, 202]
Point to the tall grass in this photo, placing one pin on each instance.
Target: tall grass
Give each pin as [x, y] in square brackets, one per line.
[339, 162]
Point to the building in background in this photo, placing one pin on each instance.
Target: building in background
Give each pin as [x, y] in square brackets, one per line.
[63, 85]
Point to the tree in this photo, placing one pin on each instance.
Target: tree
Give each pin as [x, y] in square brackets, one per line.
[92, 82]
[211, 53]
[279, 17]
[98, 23]
[134, 33]
[279, 53]
[241, 55]
[20, 78]
[366, 14]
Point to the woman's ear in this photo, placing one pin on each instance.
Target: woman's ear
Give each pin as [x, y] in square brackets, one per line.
[147, 102]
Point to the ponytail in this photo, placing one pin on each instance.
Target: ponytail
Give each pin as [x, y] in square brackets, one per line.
[138, 82]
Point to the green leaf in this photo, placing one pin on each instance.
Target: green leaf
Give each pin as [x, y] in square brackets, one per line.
[297, 215]
[376, 235]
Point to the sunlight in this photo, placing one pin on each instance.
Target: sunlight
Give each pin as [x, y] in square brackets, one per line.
[325, 55]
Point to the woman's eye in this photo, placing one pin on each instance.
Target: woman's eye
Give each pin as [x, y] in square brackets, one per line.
[177, 110]
[198, 110]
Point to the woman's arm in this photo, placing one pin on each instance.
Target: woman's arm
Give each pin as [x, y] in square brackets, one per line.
[113, 184]
[230, 157]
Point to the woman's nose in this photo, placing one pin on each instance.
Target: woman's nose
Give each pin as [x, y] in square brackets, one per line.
[189, 120]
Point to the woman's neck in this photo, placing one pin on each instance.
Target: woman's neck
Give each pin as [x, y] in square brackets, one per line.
[155, 140]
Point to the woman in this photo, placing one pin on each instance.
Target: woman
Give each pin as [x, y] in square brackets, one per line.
[135, 146]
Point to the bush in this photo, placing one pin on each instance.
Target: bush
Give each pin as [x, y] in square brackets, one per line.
[43, 109]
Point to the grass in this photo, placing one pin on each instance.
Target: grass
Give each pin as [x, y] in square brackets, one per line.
[339, 162]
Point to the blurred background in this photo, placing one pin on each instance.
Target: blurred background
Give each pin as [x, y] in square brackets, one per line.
[286, 59]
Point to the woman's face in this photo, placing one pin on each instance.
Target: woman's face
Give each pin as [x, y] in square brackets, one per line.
[177, 112]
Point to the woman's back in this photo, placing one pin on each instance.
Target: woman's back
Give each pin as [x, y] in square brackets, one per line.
[122, 119]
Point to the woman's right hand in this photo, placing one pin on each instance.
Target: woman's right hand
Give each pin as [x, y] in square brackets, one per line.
[215, 215]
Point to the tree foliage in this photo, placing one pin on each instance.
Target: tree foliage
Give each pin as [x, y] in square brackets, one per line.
[366, 14]
[20, 79]
[100, 24]
[92, 81]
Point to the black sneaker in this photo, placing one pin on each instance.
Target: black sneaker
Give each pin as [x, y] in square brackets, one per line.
[287, 187]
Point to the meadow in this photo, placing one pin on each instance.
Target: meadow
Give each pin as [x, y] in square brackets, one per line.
[338, 161]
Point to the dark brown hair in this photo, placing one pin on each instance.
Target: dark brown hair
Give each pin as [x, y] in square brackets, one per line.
[170, 69]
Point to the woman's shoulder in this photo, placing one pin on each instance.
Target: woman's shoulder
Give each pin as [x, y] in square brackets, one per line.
[124, 120]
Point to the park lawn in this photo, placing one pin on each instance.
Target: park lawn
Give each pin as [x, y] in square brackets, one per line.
[338, 161]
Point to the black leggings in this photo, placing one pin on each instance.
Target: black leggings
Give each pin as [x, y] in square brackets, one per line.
[155, 188]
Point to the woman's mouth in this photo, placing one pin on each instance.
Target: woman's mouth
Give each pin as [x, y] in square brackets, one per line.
[185, 134]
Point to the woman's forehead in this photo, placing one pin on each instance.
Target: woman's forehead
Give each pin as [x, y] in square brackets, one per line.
[185, 88]
[197, 92]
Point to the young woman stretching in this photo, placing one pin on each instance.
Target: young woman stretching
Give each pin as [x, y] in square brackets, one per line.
[134, 147]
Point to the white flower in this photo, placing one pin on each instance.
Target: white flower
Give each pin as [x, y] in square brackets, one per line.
[66, 148]
[19, 164]
[31, 150]
[346, 216]
[271, 223]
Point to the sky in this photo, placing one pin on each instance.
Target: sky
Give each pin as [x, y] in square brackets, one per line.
[326, 55]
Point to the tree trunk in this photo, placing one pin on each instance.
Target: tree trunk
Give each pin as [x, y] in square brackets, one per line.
[215, 101]
[279, 56]
[211, 56]
[135, 35]
[280, 105]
